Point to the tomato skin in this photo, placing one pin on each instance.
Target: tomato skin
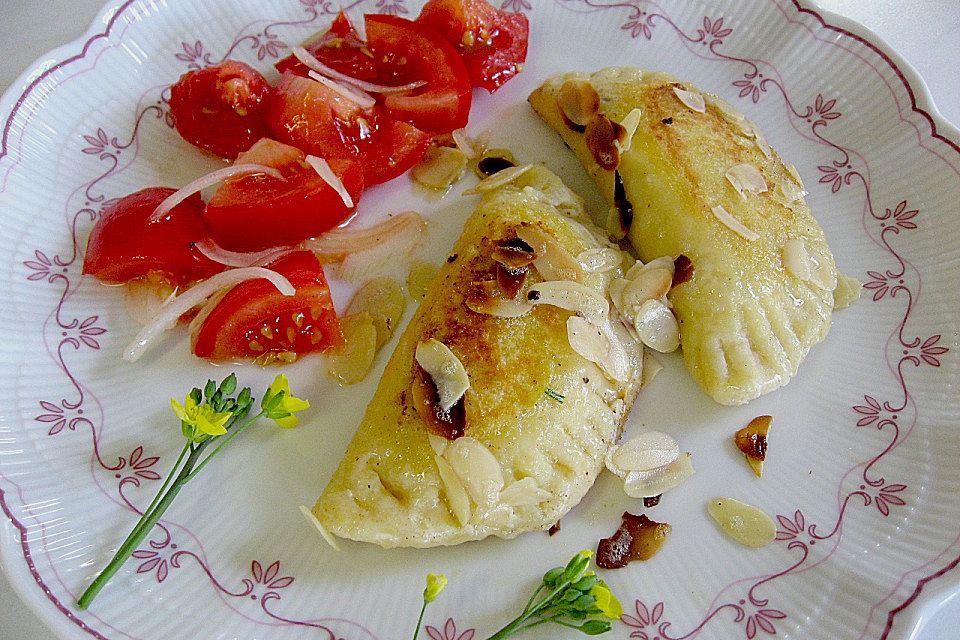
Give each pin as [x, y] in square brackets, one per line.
[340, 48]
[124, 245]
[493, 42]
[253, 318]
[396, 147]
[254, 212]
[220, 108]
[415, 52]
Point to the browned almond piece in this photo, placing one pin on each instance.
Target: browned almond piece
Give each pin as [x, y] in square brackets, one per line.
[601, 137]
[682, 270]
[448, 424]
[752, 441]
[554, 528]
[511, 280]
[652, 501]
[579, 102]
[638, 538]
[514, 253]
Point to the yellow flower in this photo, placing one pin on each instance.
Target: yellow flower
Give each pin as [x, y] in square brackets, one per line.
[201, 417]
[435, 584]
[607, 602]
[289, 403]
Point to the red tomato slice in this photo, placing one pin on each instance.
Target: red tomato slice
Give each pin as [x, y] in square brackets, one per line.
[493, 43]
[340, 48]
[411, 52]
[124, 245]
[220, 108]
[254, 212]
[254, 320]
[320, 121]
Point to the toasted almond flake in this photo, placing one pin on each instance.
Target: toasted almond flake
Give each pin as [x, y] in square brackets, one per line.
[498, 179]
[312, 519]
[524, 492]
[383, 299]
[752, 442]
[746, 524]
[587, 340]
[629, 123]
[649, 450]
[463, 143]
[362, 99]
[733, 224]
[439, 168]
[419, 278]
[572, 296]
[796, 260]
[691, 99]
[437, 443]
[663, 262]
[847, 292]
[326, 173]
[746, 177]
[444, 367]
[553, 261]
[790, 191]
[822, 274]
[457, 498]
[603, 138]
[578, 101]
[651, 367]
[487, 298]
[599, 259]
[477, 468]
[352, 362]
[618, 363]
[647, 484]
[657, 326]
[652, 284]
[615, 292]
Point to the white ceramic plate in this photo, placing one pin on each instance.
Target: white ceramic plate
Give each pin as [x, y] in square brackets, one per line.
[862, 471]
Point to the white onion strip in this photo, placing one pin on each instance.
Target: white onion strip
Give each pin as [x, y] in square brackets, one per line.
[363, 99]
[209, 180]
[333, 245]
[218, 254]
[324, 171]
[311, 61]
[463, 142]
[176, 307]
[733, 224]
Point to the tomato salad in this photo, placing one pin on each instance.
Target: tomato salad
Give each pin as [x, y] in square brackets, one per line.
[346, 113]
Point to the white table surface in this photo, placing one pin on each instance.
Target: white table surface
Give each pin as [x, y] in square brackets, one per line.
[925, 32]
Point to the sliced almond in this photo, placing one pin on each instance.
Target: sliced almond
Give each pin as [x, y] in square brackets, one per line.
[651, 367]
[437, 443]
[457, 498]
[578, 101]
[638, 538]
[439, 168]
[587, 340]
[487, 298]
[652, 284]
[847, 292]
[629, 123]
[446, 370]
[663, 262]
[603, 138]
[796, 260]
[477, 468]
[647, 484]
[746, 524]
[691, 99]
[498, 180]
[572, 296]
[514, 253]
[746, 178]
[383, 299]
[733, 224]
[752, 442]
[553, 261]
[646, 452]
[657, 326]
[524, 492]
[822, 274]
[352, 362]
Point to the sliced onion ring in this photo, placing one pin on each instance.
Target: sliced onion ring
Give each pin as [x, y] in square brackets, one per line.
[209, 180]
[334, 245]
[218, 254]
[176, 307]
[363, 99]
[310, 61]
[324, 171]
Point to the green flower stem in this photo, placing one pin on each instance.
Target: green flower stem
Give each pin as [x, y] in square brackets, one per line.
[187, 447]
[147, 522]
[518, 623]
[232, 432]
[416, 631]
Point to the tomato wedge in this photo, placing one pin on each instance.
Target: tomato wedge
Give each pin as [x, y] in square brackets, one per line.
[320, 121]
[411, 52]
[341, 48]
[254, 320]
[493, 42]
[254, 212]
[220, 108]
[125, 245]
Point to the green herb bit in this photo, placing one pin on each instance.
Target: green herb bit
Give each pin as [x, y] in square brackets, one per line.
[209, 418]
[435, 584]
[553, 395]
[571, 597]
